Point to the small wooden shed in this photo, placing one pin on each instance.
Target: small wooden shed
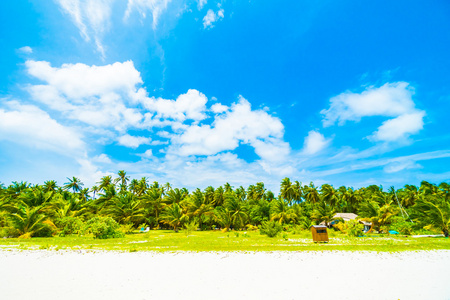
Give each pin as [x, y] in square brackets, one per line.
[319, 233]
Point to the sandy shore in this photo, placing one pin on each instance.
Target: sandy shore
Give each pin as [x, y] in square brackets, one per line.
[184, 275]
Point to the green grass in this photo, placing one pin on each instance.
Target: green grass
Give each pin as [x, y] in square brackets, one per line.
[167, 240]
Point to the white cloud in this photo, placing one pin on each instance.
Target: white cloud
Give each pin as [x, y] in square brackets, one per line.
[400, 128]
[389, 100]
[91, 17]
[240, 125]
[201, 3]
[102, 158]
[26, 50]
[314, 142]
[147, 154]
[155, 7]
[95, 95]
[191, 105]
[218, 108]
[220, 14]
[31, 126]
[76, 81]
[133, 141]
[397, 166]
[211, 17]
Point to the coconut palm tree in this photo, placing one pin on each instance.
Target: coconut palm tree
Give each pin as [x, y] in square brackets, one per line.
[152, 202]
[173, 216]
[123, 179]
[311, 194]
[94, 189]
[236, 208]
[50, 186]
[323, 212]
[287, 191]
[198, 207]
[29, 221]
[105, 182]
[219, 196]
[75, 184]
[175, 195]
[125, 209]
[433, 212]
[378, 215]
[282, 212]
[329, 195]
[223, 217]
[409, 195]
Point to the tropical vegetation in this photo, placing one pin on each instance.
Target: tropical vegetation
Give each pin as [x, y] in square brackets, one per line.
[117, 205]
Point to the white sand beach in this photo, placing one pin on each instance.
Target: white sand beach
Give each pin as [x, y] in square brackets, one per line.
[221, 275]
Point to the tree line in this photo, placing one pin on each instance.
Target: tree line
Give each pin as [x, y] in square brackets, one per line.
[28, 210]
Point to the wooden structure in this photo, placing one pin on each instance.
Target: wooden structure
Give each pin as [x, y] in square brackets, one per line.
[319, 233]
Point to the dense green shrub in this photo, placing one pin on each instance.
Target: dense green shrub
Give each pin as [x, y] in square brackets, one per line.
[354, 228]
[103, 228]
[9, 232]
[402, 226]
[70, 225]
[270, 228]
[351, 228]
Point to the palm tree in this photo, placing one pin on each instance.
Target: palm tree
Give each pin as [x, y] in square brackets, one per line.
[153, 203]
[29, 221]
[378, 215]
[16, 188]
[94, 189]
[311, 194]
[223, 217]
[105, 182]
[219, 196]
[329, 195]
[433, 212]
[282, 212]
[125, 209]
[323, 212]
[173, 216]
[209, 195]
[287, 192]
[50, 186]
[123, 179]
[444, 190]
[198, 207]
[237, 211]
[175, 196]
[75, 184]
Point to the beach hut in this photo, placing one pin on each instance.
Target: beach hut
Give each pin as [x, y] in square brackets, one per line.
[319, 233]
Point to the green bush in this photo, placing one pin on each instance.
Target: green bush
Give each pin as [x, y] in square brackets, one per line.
[103, 228]
[48, 229]
[70, 225]
[354, 228]
[270, 228]
[402, 226]
[9, 232]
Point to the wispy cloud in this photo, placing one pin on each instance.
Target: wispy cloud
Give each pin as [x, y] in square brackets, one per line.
[154, 7]
[26, 50]
[211, 17]
[92, 17]
[33, 127]
[201, 3]
[389, 100]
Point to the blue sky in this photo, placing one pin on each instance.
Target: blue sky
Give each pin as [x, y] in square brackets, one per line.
[205, 92]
